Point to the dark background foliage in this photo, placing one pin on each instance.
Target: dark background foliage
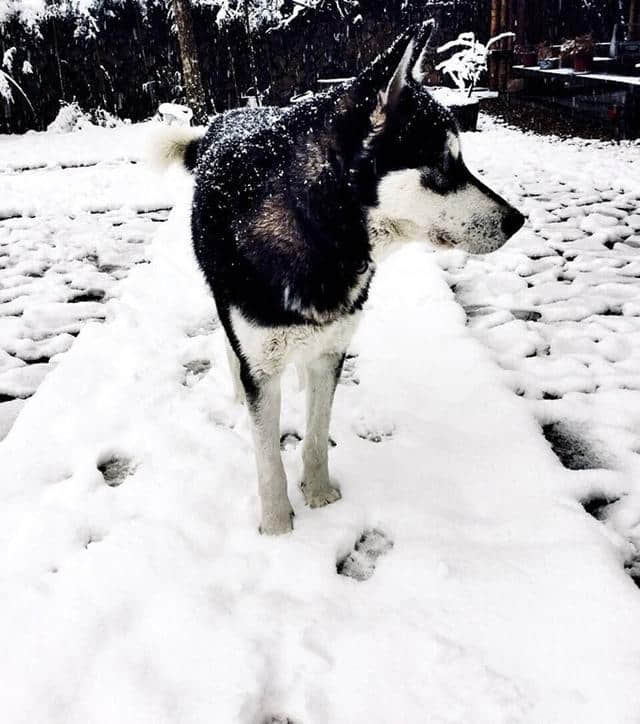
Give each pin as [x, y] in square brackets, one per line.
[126, 58]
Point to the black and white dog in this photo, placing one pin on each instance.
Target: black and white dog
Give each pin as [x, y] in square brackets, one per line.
[293, 207]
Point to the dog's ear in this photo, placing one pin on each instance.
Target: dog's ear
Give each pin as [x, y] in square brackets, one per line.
[398, 81]
[427, 29]
[410, 65]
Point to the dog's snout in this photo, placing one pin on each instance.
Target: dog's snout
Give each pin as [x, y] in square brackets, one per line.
[512, 222]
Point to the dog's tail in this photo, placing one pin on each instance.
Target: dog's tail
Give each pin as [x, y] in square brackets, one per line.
[174, 144]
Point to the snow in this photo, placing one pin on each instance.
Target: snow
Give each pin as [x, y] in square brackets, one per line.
[175, 114]
[606, 77]
[76, 212]
[452, 97]
[459, 575]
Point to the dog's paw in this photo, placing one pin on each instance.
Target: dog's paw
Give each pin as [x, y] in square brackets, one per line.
[195, 370]
[318, 497]
[116, 469]
[317, 490]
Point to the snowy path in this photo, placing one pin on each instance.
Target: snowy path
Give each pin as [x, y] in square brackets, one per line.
[76, 212]
[135, 587]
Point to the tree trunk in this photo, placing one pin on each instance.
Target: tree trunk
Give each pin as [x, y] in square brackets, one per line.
[505, 59]
[189, 56]
[58, 64]
[493, 31]
[634, 20]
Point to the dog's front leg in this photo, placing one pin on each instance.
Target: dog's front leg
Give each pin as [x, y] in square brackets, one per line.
[263, 397]
[322, 377]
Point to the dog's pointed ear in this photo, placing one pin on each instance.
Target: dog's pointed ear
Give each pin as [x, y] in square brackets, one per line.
[427, 29]
[411, 64]
[409, 68]
[391, 95]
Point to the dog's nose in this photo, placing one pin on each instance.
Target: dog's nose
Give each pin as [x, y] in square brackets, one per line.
[512, 222]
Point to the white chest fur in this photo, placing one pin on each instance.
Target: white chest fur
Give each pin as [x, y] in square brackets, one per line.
[269, 349]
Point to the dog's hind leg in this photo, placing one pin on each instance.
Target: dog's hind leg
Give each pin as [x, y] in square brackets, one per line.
[322, 376]
[263, 398]
[234, 367]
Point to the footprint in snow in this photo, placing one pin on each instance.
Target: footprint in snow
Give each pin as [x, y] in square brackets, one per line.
[632, 568]
[526, 315]
[376, 431]
[116, 469]
[571, 447]
[360, 563]
[195, 370]
[207, 327]
[90, 295]
[547, 395]
[597, 505]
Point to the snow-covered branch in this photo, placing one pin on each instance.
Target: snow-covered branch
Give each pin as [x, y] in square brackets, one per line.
[467, 65]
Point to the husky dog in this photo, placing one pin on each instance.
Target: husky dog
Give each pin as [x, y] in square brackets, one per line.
[292, 209]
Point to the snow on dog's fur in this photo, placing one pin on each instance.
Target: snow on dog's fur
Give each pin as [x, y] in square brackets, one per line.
[293, 207]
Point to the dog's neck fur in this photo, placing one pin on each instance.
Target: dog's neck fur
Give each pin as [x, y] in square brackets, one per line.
[344, 121]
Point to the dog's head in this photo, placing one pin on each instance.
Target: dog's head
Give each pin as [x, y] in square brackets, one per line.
[424, 186]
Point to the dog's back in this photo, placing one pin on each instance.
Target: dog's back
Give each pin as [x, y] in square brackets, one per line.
[275, 230]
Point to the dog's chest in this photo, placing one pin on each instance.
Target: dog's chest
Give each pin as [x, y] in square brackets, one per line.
[269, 349]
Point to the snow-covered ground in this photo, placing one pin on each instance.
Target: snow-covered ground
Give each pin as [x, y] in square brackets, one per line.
[76, 211]
[560, 307]
[458, 580]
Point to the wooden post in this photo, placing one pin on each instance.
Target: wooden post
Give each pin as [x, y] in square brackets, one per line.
[499, 61]
[503, 63]
[522, 37]
[190, 64]
[495, 17]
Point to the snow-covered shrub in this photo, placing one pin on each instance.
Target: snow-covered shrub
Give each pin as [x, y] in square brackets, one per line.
[104, 119]
[8, 58]
[7, 83]
[174, 114]
[258, 12]
[467, 65]
[5, 88]
[70, 118]
[276, 13]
